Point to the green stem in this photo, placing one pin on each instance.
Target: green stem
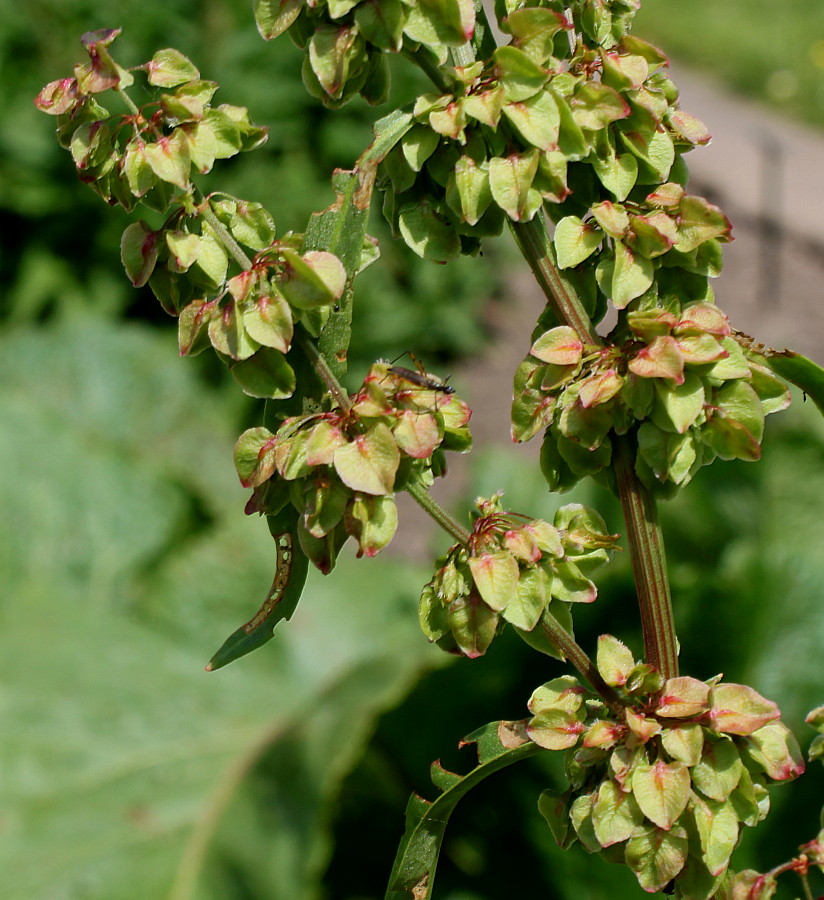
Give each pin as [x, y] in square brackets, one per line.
[232, 246]
[573, 651]
[321, 367]
[808, 894]
[421, 59]
[533, 241]
[649, 562]
[463, 55]
[316, 358]
[324, 372]
[640, 514]
[432, 508]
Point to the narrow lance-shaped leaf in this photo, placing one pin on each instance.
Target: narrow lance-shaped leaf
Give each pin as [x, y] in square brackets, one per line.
[413, 875]
[282, 598]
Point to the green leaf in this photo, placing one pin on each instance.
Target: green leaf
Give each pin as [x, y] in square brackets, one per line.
[169, 68]
[215, 136]
[184, 249]
[683, 697]
[332, 52]
[684, 742]
[657, 856]
[369, 463]
[138, 252]
[282, 598]
[662, 790]
[719, 769]
[418, 145]
[617, 173]
[775, 750]
[313, 280]
[575, 241]
[428, 232]
[496, 577]
[699, 221]
[265, 374]
[677, 406]
[212, 260]
[375, 521]
[273, 17]
[802, 372]
[555, 729]
[554, 807]
[170, 159]
[717, 825]
[738, 709]
[500, 744]
[139, 174]
[615, 814]
[471, 184]
[254, 463]
[441, 22]
[614, 660]
[736, 424]
[510, 179]
[632, 275]
[524, 610]
[269, 322]
[537, 119]
[594, 105]
[520, 76]
[228, 335]
[381, 23]
[473, 624]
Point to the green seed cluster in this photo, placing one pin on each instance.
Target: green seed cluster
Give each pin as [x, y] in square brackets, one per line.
[346, 41]
[542, 121]
[674, 373]
[143, 156]
[663, 779]
[149, 156]
[341, 468]
[514, 569]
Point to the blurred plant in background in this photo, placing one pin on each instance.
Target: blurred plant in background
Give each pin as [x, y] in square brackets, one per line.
[771, 53]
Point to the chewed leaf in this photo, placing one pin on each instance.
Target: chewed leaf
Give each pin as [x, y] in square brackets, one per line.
[499, 745]
[802, 372]
[281, 600]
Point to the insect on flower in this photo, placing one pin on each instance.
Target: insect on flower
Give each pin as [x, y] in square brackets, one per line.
[421, 378]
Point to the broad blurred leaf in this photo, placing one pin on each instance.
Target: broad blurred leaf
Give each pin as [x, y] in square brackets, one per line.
[128, 771]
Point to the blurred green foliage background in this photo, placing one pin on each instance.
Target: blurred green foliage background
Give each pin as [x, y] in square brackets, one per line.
[127, 772]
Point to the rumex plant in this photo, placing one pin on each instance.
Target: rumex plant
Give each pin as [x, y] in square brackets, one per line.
[569, 133]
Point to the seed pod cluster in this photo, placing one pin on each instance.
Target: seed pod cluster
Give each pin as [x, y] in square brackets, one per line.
[663, 780]
[346, 41]
[672, 372]
[545, 121]
[148, 156]
[513, 570]
[341, 468]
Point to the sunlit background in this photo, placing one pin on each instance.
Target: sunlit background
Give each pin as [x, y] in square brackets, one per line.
[127, 772]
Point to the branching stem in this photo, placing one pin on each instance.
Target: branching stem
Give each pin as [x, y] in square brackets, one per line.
[231, 245]
[425, 500]
[573, 651]
[643, 531]
[421, 59]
